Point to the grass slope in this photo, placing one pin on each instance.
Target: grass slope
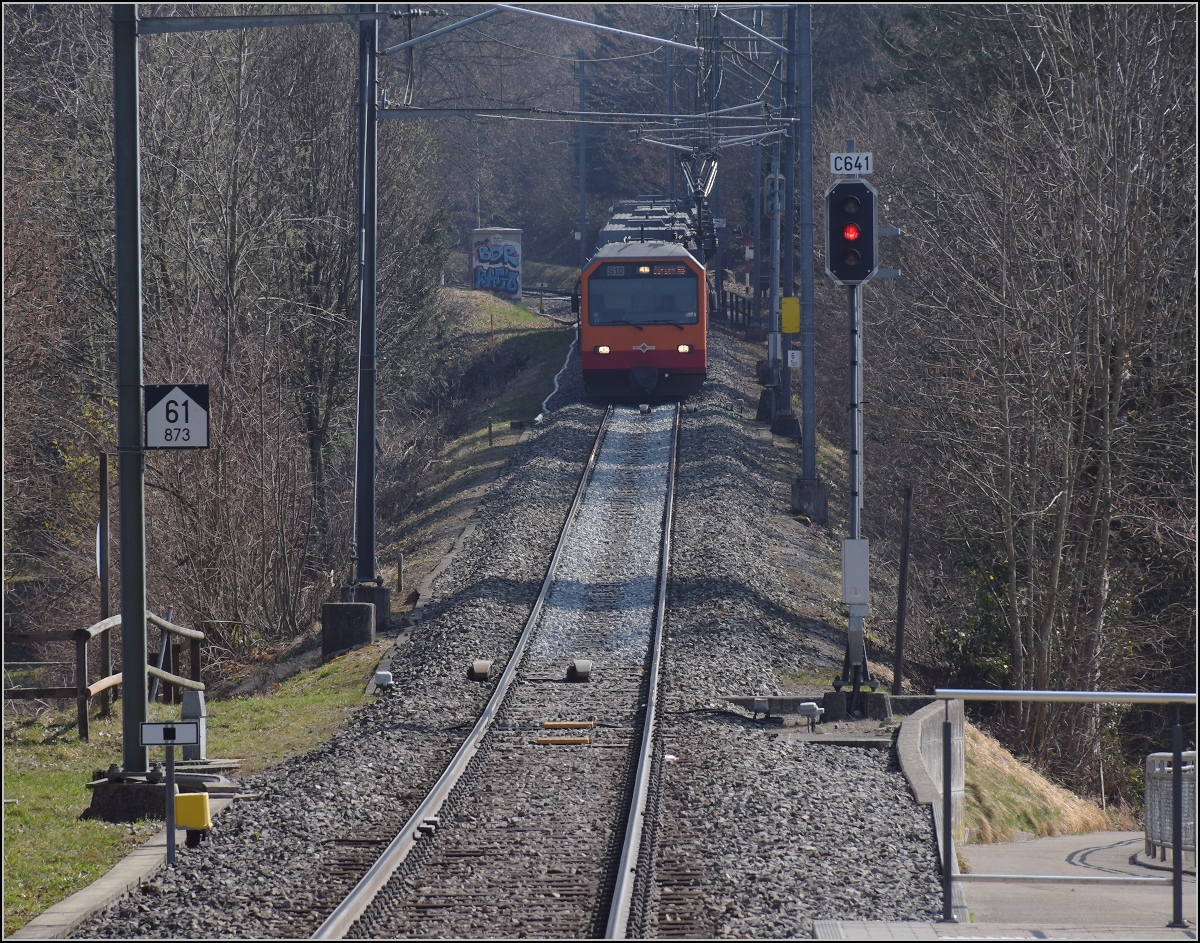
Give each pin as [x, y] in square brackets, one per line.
[1006, 799]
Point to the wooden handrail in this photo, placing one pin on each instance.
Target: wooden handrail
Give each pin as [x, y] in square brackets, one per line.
[104, 684]
[103, 626]
[172, 628]
[174, 679]
[83, 692]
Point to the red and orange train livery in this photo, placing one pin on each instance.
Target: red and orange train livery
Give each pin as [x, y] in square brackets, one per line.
[644, 321]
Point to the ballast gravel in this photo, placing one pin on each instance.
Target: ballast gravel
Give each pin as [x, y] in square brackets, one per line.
[777, 832]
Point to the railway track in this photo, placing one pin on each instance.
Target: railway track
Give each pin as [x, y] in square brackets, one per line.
[536, 825]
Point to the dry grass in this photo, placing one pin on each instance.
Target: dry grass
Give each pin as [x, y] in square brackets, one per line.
[1006, 799]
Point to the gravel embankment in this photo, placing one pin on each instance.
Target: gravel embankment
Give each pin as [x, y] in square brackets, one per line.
[778, 832]
[266, 869]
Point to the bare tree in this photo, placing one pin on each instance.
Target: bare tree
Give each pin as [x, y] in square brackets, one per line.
[1053, 202]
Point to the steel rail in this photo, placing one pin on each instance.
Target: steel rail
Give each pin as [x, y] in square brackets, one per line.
[618, 914]
[359, 899]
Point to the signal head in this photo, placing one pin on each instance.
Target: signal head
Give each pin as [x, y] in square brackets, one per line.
[850, 232]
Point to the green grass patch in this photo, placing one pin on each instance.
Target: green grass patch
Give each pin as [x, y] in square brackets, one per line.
[807, 677]
[521, 337]
[296, 715]
[50, 852]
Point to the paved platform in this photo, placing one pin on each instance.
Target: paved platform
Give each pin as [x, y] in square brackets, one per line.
[1039, 911]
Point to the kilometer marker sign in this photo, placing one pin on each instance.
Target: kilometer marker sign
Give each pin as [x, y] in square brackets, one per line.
[176, 415]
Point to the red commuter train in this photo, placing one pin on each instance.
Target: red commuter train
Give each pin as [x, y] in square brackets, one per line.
[643, 326]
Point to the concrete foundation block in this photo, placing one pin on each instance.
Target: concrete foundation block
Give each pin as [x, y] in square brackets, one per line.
[194, 709]
[834, 703]
[127, 801]
[786, 425]
[810, 497]
[876, 705]
[344, 626]
[381, 598]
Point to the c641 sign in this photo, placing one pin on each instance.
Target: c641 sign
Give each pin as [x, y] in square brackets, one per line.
[176, 415]
[852, 162]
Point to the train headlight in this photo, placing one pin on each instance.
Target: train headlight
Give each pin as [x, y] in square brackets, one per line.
[684, 348]
[603, 349]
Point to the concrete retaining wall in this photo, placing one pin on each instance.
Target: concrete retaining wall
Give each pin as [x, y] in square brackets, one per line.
[919, 750]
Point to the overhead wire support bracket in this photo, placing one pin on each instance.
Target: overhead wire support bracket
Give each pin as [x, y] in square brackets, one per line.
[755, 33]
[597, 26]
[675, 147]
[445, 29]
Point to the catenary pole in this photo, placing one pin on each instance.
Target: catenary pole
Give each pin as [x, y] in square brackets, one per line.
[773, 344]
[756, 266]
[808, 311]
[131, 456]
[671, 114]
[718, 236]
[785, 421]
[583, 234]
[364, 489]
[775, 338]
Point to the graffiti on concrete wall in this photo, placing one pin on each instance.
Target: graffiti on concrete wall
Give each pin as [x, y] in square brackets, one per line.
[496, 262]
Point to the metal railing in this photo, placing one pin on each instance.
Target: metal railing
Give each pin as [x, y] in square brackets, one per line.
[1068, 697]
[1160, 770]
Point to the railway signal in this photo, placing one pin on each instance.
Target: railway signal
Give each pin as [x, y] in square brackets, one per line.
[850, 232]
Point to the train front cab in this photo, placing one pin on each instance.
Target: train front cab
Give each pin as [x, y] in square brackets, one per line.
[644, 322]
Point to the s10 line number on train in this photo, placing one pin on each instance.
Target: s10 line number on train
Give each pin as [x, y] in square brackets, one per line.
[855, 162]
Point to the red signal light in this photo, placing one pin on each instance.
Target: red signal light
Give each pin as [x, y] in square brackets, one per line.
[850, 231]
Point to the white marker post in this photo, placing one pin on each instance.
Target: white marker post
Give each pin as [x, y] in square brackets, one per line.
[168, 734]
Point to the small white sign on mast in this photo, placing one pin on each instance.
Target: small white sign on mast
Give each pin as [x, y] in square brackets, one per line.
[850, 163]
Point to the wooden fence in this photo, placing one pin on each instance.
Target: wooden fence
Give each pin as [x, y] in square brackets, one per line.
[735, 307]
[83, 691]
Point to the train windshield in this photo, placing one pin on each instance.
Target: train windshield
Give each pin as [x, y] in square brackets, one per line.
[655, 299]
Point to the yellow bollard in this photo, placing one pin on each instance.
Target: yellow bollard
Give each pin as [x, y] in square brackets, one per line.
[191, 811]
